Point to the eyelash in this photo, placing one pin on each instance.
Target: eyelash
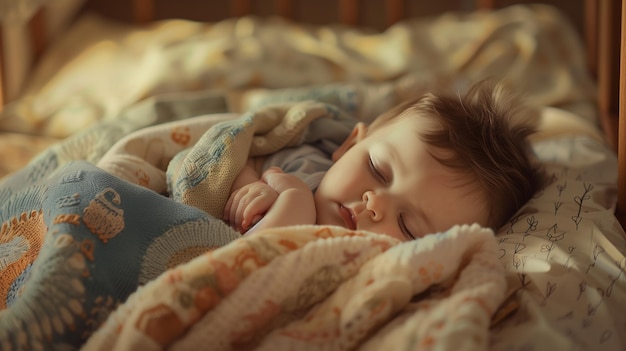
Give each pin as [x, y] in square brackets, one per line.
[405, 230]
[378, 174]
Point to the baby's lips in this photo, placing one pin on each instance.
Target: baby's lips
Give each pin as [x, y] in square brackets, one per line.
[348, 217]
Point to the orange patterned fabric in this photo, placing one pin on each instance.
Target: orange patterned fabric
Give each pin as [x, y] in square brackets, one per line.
[312, 288]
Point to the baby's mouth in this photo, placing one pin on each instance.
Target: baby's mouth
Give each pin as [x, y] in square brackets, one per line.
[348, 217]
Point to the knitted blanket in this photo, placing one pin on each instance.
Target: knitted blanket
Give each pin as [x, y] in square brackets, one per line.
[90, 259]
[318, 288]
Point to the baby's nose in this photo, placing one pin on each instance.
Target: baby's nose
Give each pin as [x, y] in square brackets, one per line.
[375, 204]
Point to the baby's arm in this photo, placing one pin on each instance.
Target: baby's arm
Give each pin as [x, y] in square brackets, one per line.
[277, 199]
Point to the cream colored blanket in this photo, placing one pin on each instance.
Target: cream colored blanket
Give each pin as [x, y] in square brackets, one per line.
[314, 288]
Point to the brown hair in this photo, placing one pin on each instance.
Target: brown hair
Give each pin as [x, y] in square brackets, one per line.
[484, 135]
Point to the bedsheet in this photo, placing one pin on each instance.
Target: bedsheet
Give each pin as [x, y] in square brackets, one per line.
[17, 149]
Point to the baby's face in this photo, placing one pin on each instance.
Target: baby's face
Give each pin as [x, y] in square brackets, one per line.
[387, 182]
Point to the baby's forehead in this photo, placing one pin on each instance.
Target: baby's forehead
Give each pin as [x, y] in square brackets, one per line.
[402, 122]
[452, 174]
[460, 176]
[417, 120]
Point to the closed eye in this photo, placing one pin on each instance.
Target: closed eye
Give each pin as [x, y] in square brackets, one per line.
[405, 229]
[376, 172]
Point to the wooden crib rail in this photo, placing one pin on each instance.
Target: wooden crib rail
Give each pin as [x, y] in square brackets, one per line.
[621, 144]
[376, 14]
[349, 11]
[605, 35]
[2, 78]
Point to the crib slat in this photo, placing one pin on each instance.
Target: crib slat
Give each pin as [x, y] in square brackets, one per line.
[284, 8]
[2, 70]
[240, 8]
[591, 35]
[608, 50]
[349, 12]
[37, 28]
[395, 11]
[143, 11]
[485, 4]
[621, 149]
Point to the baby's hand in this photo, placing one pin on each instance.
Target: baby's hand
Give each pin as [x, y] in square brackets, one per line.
[247, 205]
[281, 181]
[252, 202]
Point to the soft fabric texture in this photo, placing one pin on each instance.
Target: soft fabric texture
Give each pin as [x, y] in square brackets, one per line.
[78, 243]
[100, 67]
[87, 240]
[563, 252]
[308, 162]
[312, 288]
[196, 179]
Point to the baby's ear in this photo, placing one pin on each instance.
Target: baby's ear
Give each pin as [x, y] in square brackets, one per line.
[357, 134]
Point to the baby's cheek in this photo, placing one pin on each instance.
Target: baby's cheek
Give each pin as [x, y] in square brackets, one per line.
[389, 230]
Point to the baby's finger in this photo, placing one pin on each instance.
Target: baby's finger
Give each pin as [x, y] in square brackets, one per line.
[256, 220]
[274, 169]
[246, 214]
[234, 216]
[240, 219]
[257, 207]
[270, 171]
[250, 206]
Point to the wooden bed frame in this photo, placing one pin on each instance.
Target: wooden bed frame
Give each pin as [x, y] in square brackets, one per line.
[602, 24]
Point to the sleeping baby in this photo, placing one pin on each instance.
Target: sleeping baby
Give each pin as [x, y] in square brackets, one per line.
[419, 168]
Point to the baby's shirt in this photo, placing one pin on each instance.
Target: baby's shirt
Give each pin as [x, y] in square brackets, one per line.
[307, 162]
